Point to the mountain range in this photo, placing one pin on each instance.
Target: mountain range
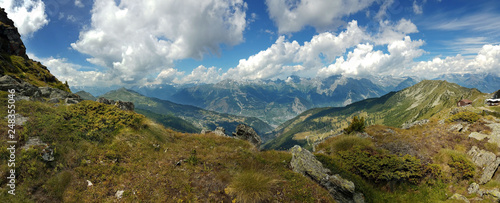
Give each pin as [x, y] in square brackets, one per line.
[197, 117]
[276, 101]
[417, 102]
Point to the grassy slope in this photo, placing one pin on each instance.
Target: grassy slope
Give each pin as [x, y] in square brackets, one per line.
[418, 102]
[30, 71]
[199, 117]
[120, 150]
[170, 121]
[433, 145]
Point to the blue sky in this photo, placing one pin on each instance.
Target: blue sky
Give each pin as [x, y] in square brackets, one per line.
[128, 42]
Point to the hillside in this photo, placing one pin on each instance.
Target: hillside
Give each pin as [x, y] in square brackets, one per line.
[85, 95]
[91, 151]
[417, 102]
[200, 118]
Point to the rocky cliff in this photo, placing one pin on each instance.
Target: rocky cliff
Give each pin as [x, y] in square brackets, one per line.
[15, 63]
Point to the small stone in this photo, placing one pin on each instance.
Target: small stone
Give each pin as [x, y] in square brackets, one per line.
[119, 194]
[89, 184]
[457, 196]
[473, 188]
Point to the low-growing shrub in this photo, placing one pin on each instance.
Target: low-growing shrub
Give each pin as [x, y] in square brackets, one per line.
[466, 116]
[379, 166]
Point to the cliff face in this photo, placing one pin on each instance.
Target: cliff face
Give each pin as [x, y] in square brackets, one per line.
[10, 39]
[15, 63]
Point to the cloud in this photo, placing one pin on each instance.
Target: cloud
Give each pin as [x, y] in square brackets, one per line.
[134, 39]
[417, 9]
[293, 16]
[486, 61]
[479, 22]
[284, 58]
[74, 73]
[79, 4]
[29, 15]
[364, 61]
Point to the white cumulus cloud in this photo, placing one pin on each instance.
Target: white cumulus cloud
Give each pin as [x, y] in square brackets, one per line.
[137, 38]
[28, 15]
[292, 16]
[486, 61]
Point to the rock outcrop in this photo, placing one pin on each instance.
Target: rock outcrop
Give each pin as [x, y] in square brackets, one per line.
[129, 106]
[246, 132]
[29, 92]
[486, 160]
[305, 162]
[24, 90]
[10, 39]
[419, 123]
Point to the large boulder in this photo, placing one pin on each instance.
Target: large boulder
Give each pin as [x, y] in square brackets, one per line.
[220, 131]
[24, 90]
[129, 106]
[246, 132]
[104, 100]
[305, 163]
[486, 160]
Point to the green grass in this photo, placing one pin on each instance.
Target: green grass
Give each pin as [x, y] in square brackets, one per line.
[30, 71]
[122, 150]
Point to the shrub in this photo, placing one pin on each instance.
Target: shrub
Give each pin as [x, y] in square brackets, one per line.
[357, 125]
[382, 167]
[250, 186]
[461, 167]
[466, 116]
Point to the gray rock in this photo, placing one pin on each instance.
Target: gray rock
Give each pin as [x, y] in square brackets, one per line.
[33, 141]
[23, 90]
[486, 160]
[119, 194]
[205, 131]
[460, 197]
[456, 128]
[220, 131]
[419, 123]
[493, 193]
[103, 100]
[305, 163]
[71, 101]
[473, 188]
[48, 154]
[246, 132]
[128, 106]
[54, 100]
[19, 119]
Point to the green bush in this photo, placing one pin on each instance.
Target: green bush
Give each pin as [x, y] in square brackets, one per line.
[461, 167]
[466, 116]
[94, 121]
[379, 166]
[357, 125]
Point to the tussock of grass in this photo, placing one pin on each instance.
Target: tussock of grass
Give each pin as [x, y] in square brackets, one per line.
[250, 186]
[343, 143]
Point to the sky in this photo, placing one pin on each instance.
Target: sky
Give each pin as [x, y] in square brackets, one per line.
[130, 42]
